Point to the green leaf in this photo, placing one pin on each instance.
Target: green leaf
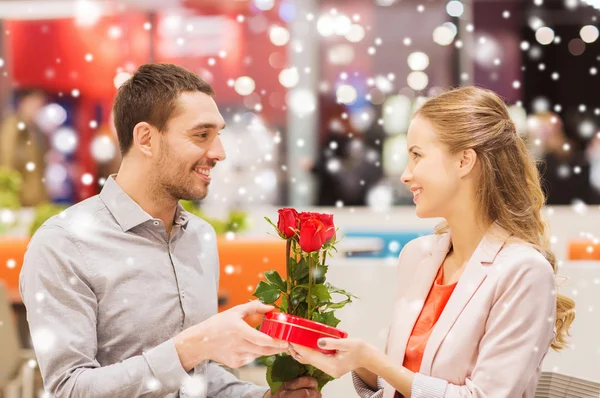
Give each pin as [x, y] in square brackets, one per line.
[335, 290]
[275, 385]
[299, 293]
[267, 360]
[282, 236]
[284, 304]
[321, 293]
[301, 310]
[337, 306]
[322, 378]
[276, 280]
[266, 293]
[300, 270]
[328, 318]
[320, 272]
[286, 368]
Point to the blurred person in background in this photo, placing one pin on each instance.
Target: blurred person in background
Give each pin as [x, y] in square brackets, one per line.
[564, 168]
[343, 170]
[593, 156]
[23, 145]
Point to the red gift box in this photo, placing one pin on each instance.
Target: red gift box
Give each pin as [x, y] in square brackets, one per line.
[297, 330]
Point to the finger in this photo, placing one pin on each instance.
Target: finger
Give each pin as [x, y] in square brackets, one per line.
[253, 307]
[307, 356]
[335, 344]
[301, 383]
[304, 351]
[302, 393]
[296, 355]
[261, 339]
[292, 351]
[256, 351]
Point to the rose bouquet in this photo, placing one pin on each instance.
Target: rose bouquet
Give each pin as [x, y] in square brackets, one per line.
[304, 299]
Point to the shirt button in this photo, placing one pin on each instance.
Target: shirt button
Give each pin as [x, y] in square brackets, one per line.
[157, 223]
[182, 294]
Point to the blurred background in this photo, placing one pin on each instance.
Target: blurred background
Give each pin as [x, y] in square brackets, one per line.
[317, 97]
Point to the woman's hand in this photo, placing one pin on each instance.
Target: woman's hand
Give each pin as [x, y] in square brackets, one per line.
[351, 354]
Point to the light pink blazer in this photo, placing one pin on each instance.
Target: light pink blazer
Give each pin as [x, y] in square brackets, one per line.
[495, 330]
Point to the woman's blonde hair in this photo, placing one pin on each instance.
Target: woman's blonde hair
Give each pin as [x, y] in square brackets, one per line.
[509, 191]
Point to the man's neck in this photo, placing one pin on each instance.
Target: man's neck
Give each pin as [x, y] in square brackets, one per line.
[140, 191]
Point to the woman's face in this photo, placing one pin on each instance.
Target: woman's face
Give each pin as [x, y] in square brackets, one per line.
[432, 173]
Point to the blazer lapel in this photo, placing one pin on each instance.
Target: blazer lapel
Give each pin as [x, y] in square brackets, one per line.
[409, 304]
[472, 277]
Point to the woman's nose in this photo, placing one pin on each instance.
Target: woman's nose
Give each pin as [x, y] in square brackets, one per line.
[406, 176]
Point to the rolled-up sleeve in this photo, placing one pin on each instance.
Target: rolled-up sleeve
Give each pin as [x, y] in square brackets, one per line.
[518, 334]
[62, 315]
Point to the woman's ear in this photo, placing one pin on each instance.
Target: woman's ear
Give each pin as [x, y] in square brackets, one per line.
[142, 138]
[468, 160]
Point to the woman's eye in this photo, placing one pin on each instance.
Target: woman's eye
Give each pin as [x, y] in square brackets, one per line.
[416, 155]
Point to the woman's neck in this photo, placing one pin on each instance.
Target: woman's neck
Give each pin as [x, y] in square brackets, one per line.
[466, 234]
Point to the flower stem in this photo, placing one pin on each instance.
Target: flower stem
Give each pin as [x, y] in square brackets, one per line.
[310, 282]
[289, 274]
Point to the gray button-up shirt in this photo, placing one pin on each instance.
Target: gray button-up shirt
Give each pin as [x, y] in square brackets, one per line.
[106, 290]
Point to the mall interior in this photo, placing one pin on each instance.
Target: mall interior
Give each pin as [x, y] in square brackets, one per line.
[317, 96]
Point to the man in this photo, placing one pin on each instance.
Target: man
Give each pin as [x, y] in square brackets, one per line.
[121, 289]
[23, 146]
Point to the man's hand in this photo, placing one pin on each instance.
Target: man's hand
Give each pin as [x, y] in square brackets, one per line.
[227, 339]
[302, 387]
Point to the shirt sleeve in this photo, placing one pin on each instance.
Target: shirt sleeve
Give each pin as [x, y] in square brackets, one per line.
[223, 384]
[518, 334]
[61, 311]
[219, 382]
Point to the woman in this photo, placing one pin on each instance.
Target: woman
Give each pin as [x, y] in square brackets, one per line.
[477, 306]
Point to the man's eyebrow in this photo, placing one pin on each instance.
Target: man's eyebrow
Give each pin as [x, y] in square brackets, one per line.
[201, 126]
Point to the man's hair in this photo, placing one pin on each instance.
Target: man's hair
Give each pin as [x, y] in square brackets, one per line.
[23, 93]
[150, 96]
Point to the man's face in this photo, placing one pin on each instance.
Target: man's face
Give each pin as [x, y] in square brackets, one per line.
[190, 147]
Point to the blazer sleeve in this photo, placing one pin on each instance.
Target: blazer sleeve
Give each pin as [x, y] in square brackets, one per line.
[363, 390]
[519, 331]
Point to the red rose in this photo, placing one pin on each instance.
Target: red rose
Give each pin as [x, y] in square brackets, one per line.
[312, 235]
[326, 219]
[288, 222]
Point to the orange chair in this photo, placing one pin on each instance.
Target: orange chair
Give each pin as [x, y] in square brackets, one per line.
[12, 252]
[243, 262]
[584, 249]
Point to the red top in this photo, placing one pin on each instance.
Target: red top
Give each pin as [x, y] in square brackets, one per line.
[432, 309]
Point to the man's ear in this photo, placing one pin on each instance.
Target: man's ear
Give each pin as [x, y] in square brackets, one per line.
[468, 159]
[142, 138]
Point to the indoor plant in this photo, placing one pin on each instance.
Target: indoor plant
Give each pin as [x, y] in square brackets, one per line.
[303, 293]
[10, 187]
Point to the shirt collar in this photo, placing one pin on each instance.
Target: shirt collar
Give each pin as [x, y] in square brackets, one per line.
[182, 217]
[127, 212]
